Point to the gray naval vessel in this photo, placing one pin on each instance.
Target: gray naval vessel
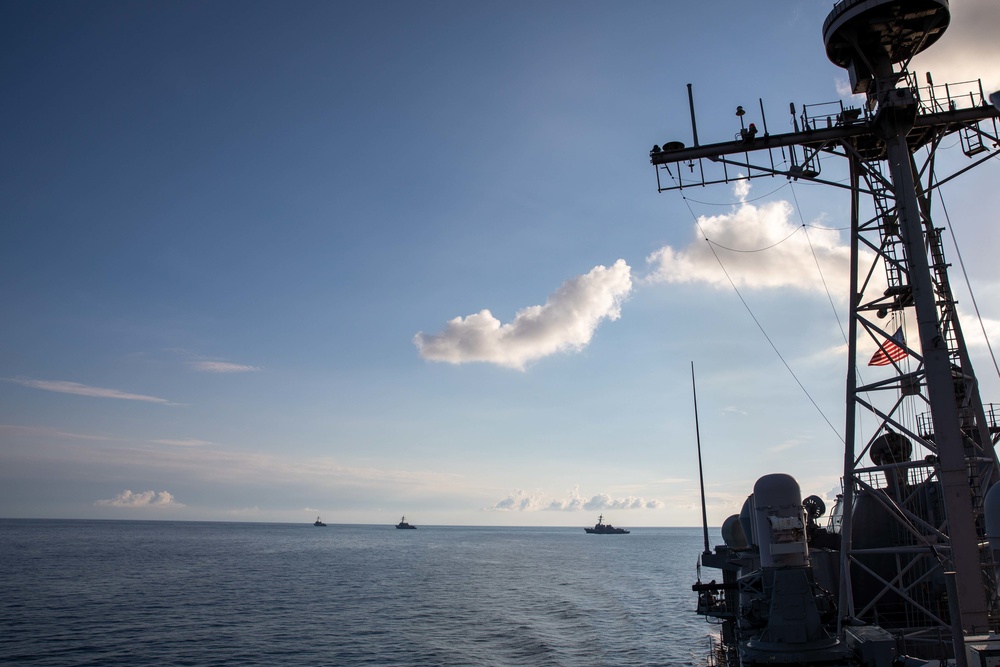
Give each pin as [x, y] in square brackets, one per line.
[903, 568]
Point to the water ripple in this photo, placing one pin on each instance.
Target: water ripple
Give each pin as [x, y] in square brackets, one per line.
[163, 593]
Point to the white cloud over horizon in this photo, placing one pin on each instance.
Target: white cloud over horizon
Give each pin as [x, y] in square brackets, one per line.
[566, 322]
[128, 498]
[66, 387]
[523, 501]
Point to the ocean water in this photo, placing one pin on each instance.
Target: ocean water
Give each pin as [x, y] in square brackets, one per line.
[182, 593]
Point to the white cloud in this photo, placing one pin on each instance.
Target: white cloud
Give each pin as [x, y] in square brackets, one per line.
[844, 89]
[64, 387]
[142, 499]
[973, 326]
[603, 501]
[221, 367]
[522, 501]
[760, 247]
[567, 321]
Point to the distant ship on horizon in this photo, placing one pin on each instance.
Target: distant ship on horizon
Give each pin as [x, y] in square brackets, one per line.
[601, 528]
[402, 524]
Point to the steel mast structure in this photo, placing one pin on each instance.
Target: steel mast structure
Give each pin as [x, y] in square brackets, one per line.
[911, 518]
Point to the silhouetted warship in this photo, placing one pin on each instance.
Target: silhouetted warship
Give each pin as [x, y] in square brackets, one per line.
[905, 570]
[601, 528]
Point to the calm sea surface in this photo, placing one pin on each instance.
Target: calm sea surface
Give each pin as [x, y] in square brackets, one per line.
[165, 593]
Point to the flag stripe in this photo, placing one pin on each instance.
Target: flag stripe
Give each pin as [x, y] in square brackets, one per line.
[890, 351]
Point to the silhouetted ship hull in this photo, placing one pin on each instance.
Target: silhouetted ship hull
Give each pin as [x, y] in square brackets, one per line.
[601, 528]
[402, 525]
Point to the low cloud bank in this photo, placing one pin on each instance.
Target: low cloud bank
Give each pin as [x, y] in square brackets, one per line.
[522, 501]
[142, 499]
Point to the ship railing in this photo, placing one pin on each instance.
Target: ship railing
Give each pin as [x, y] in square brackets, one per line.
[930, 98]
[911, 473]
[824, 115]
[720, 654]
[925, 421]
[951, 97]
[992, 411]
[939, 98]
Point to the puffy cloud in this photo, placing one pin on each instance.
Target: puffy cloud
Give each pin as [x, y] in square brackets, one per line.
[790, 261]
[142, 499]
[221, 367]
[844, 90]
[65, 387]
[522, 501]
[567, 321]
[603, 501]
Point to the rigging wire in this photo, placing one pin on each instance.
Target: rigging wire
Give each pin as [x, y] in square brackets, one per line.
[773, 245]
[819, 269]
[968, 284]
[742, 201]
[756, 321]
[824, 227]
[795, 231]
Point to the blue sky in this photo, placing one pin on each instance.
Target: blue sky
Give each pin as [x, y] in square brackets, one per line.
[265, 261]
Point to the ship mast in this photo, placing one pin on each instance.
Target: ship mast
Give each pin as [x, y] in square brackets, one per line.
[933, 501]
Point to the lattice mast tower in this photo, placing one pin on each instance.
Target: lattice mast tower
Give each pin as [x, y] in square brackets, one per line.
[874, 40]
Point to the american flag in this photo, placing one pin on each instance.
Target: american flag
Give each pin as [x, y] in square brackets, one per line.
[890, 351]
